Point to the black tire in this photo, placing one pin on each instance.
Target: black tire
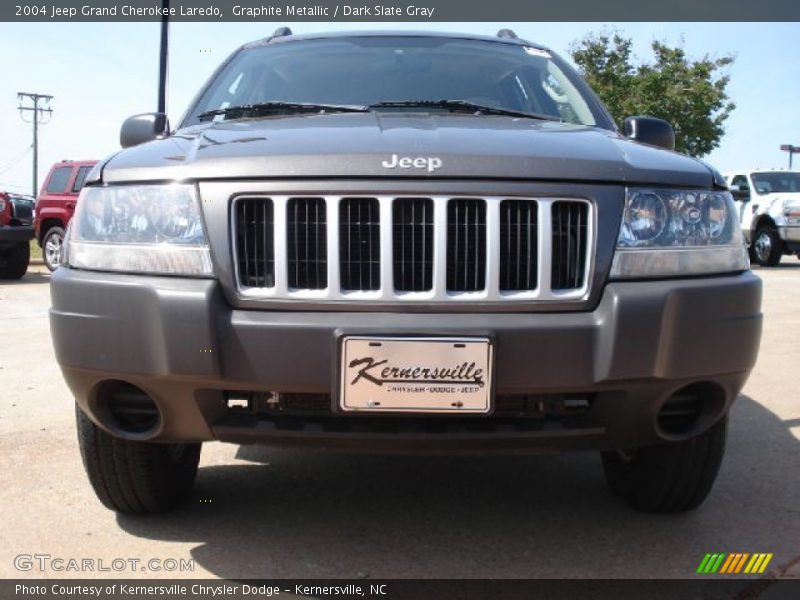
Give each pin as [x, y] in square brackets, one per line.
[14, 261]
[53, 238]
[136, 477]
[668, 478]
[767, 247]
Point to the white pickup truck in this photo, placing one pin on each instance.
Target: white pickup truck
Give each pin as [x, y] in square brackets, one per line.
[768, 202]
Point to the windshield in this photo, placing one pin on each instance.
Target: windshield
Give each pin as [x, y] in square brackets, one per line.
[776, 181]
[363, 71]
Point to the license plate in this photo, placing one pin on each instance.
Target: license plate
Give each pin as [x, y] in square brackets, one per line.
[425, 375]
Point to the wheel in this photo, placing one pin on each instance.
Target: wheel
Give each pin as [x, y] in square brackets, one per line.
[14, 261]
[136, 477]
[667, 478]
[767, 247]
[51, 247]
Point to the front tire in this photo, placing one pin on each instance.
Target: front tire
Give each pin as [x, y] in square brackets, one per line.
[668, 478]
[51, 247]
[767, 247]
[136, 477]
[14, 261]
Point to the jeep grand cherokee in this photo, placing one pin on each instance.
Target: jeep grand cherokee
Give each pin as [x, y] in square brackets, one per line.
[403, 242]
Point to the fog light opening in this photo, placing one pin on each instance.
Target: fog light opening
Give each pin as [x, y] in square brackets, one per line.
[690, 409]
[128, 408]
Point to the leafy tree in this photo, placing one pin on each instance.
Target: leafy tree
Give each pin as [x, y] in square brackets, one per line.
[690, 94]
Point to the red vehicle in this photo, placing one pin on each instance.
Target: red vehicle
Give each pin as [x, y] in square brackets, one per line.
[16, 231]
[56, 204]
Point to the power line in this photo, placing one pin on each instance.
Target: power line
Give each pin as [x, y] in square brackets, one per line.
[38, 113]
[14, 161]
[4, 184]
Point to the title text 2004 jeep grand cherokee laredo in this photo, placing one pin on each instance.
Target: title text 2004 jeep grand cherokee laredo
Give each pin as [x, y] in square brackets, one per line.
[405, 242]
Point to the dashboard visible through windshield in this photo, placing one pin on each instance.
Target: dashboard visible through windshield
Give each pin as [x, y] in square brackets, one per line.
[365, 71]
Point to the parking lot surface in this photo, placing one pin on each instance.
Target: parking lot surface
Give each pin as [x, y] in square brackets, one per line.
[264, 512]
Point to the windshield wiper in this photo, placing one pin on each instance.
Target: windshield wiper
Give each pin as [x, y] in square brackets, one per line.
[271, 108]
[463, 106]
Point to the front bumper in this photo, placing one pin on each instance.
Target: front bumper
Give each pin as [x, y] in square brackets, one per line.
[14, 235]
[182, 343]
[791, 235]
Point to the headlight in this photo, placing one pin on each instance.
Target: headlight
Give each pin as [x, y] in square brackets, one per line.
[142, 229]
[668, 233]
[791, 210]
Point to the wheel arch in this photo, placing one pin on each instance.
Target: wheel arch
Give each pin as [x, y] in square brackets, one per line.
[762, 221]
[47, 224]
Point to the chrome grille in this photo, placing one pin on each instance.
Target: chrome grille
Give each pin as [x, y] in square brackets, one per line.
[406, 249]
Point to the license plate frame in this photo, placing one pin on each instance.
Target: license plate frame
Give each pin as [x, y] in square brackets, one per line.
[415, 374]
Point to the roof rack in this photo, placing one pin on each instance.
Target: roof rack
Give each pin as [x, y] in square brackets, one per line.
[282, 32]
[507, 34]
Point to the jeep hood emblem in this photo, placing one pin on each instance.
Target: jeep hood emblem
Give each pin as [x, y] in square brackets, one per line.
[429, 163]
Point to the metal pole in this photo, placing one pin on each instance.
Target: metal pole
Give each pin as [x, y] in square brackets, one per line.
[35, 147]
[163, 63]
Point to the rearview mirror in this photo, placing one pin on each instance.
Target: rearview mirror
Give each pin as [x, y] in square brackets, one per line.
[650, 130]
[142, 128]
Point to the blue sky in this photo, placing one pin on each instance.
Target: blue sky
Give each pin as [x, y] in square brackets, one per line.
[101, 73]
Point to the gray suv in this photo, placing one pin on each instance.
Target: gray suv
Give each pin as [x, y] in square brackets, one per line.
[403, 242]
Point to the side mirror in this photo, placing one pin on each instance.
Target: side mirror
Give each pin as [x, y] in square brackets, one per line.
[650, 130]
[734, 188]
[139, 129]
[740, 193]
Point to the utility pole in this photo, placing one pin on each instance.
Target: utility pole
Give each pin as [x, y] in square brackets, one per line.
[38, 111]
[792, 150]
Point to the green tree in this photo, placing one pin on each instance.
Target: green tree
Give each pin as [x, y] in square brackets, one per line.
[690, 94]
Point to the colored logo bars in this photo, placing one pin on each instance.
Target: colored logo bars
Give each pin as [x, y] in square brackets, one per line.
[737, 562]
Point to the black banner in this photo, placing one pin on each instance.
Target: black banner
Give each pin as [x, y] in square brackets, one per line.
[465, 589]
[399, 10]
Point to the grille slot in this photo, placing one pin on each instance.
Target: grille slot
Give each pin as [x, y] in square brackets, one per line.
[570, 238]
[359, 244]
[307, 243]
[412, 225]
[255, 243]
[519, 250]
[466, 245]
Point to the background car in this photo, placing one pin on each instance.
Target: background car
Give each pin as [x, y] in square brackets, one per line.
[768, 202]
[16, 231]
[56, 204]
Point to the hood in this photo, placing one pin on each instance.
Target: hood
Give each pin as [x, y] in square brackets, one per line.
[783, 197]
[374, 145]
